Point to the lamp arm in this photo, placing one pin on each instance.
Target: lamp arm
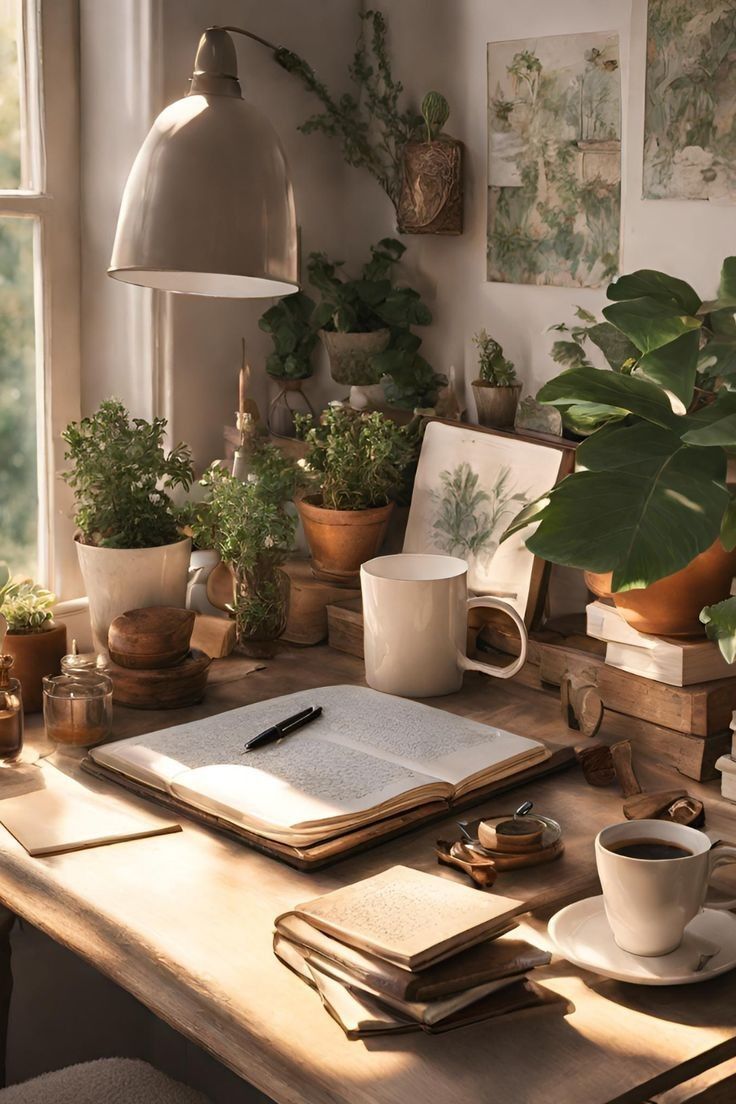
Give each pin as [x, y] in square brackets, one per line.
[248, 34]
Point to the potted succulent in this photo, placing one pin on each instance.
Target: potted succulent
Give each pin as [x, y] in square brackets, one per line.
[33, 639]
[294, 337]
[648, 511]
[249, 526]
[355, 461]
[130, 549]
[496, 389]
[357, 318]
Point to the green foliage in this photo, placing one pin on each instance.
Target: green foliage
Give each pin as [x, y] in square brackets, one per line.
[294, 337]
[409, 382]
[121, 476]
[435, 112]
[493, 367]
[720, 625]
[356, 460]
[370, 124]
[469, 519]
[26, 606]
[649, 494]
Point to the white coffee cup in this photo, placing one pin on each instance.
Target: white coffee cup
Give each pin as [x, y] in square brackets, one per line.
[650, 902]
[415, 624]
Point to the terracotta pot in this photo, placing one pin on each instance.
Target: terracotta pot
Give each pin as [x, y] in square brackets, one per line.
[341, 540]
[36, 655]
[351, 355]
[496, 405]
[671, 606]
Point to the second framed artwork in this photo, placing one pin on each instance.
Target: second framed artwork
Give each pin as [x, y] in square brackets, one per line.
[470, 484]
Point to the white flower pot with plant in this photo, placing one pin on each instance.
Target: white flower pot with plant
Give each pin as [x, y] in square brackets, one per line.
[496, 389]
[33, 639]
[130, 549]
[356, 461]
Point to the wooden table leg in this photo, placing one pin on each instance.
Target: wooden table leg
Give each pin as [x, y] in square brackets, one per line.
[7, 919]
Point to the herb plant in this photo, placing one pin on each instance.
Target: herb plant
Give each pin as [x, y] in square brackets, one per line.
[294, 336]
[356, 460]
[493, 367]
[121, 476]
[26, 606]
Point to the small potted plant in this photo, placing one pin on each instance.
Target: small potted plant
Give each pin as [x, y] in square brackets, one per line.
[130, 549]
[33, 639]
[355, 461]
[431, 200]
[358, 318]
[496, 390]
[249, 525]
[294, 337]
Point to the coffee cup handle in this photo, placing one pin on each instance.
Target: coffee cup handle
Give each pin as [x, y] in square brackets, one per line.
[488, 669]
[717, 856]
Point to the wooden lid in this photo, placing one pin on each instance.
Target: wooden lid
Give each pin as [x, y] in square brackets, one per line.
[156, 632]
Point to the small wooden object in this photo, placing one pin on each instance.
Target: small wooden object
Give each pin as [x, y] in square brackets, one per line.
[582, 707]
[511, 835]
[164, 687]
[597, 764]
[215, 636]
[151, 638]
[624, 768]
[479, 869]
[309, 599]
[674, 805]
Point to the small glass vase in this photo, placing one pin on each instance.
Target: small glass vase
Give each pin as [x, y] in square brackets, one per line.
[261, 612]
[77, 709]
[290, 400]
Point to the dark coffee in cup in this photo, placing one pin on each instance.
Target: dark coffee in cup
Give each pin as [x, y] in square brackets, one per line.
[648, 849]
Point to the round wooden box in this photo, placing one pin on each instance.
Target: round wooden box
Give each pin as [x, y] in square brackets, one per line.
[162, 687]
[150, 638]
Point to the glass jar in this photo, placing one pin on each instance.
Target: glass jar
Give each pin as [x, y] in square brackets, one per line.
[77, 709]
[76, 662]
[261, 609]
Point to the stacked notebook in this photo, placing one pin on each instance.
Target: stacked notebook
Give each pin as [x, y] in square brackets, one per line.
[664, 659]
[407, 951]
[368, 758]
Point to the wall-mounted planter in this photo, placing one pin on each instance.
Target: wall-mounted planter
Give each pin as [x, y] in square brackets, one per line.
[431, 200]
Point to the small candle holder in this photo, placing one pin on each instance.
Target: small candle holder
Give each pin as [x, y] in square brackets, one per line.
[11, 715]
[83, 661]
[77, 709]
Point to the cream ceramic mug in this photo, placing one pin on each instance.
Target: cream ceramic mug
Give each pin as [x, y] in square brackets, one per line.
[415, 624]
[649, 902]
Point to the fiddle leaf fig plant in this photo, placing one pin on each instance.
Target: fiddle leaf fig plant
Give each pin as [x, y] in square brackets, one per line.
[649, 493]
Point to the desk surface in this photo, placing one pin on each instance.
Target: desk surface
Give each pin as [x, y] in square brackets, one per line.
[184, 923]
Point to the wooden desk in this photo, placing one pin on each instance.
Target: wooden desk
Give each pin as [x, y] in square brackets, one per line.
[184, 923]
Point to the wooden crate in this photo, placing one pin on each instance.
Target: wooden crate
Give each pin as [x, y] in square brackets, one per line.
[687, 726]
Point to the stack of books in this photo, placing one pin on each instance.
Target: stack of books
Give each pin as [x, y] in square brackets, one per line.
[407, 951]
[664, 659]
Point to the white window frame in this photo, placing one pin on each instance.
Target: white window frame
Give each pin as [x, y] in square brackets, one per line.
[50, 92]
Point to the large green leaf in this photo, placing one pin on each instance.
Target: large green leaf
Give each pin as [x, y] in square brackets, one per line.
[728, 526]
[586, 418]
[615, 346]
[620, 392]
[643, 509]
[720, 625]
[726, 289]
[713, 425]
[673, 366]
[650, 323]
[649, 283]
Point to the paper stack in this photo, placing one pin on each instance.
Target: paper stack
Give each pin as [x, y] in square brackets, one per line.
[407, 951]
[664, 659]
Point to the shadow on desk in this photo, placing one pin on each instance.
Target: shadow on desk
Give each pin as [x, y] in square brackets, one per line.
[675, 1003]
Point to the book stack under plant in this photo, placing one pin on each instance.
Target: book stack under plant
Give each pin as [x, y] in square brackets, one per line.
[407, 951]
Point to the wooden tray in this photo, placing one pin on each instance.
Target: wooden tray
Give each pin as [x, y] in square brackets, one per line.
[340, 847]
[163, 688]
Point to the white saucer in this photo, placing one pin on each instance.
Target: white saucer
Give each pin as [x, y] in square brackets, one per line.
[582, 935]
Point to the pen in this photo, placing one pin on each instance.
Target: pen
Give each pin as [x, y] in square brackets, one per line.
[284, 728]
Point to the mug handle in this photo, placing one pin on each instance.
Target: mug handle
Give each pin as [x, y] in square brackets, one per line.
[716, 857]
[512, 668]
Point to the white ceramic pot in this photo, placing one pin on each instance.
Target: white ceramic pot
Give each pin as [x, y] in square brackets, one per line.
[201, 565]
[121, 579]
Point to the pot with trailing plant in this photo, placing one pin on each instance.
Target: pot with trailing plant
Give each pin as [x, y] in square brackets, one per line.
[648, 511]
[294, 338]
[249, 526]
[356, 461]
[359, 318]
[496, 389]
[33, 639]
[131, 551]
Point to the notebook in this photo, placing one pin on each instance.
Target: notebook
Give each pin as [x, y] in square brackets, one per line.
[369, 756]
[408, 917]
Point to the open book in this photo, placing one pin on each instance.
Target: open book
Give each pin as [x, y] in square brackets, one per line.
[368, 756]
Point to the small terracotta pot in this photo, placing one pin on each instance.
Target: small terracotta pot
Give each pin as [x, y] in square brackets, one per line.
[341, 540]
[351, 355]
[496, 405]
[671, 606]
[36, 654]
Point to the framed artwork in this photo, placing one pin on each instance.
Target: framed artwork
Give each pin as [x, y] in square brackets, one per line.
[470, 484]
[689, 133]
[554, 160]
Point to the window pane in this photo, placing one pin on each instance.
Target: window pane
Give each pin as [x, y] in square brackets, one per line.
[18, 446]
[11, 140]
